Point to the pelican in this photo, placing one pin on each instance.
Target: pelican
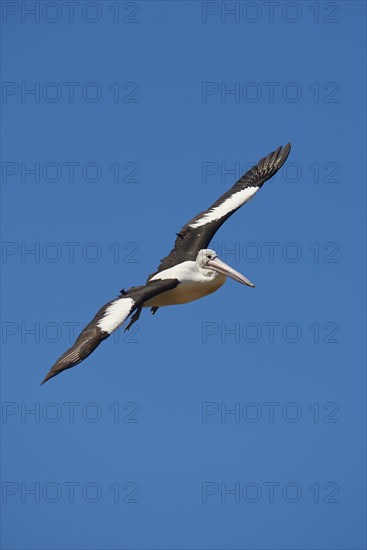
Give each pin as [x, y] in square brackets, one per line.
[189, 272]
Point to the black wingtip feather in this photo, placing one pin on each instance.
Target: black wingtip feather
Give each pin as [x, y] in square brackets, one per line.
[268, 166]
[284, 154]
[60, 366]
[52, 373]
[48, 377]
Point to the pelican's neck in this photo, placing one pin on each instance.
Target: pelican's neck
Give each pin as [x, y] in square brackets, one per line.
[210, 274]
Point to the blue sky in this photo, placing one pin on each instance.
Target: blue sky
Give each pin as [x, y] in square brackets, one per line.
[236, 421]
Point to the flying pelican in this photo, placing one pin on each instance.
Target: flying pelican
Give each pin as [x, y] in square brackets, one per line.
[189, 272]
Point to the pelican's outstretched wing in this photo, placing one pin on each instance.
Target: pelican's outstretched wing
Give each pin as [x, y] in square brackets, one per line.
[106, 321]
[199, 231]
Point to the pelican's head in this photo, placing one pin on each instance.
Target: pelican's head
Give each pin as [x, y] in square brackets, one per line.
[208, 259]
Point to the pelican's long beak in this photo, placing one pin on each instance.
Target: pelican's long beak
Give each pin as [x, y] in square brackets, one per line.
[221, 267]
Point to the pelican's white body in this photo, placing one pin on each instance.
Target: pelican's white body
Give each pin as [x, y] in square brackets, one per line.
[195, 283]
